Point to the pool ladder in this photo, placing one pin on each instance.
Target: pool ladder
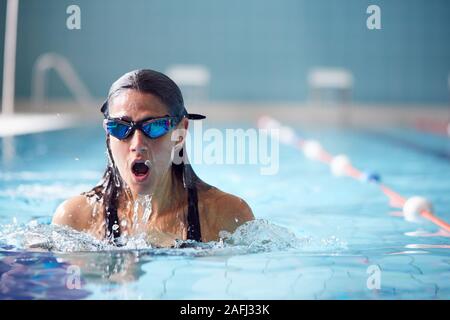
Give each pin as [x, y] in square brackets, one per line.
[67, 73]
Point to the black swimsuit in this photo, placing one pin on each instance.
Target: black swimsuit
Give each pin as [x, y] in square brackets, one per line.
[193, 232]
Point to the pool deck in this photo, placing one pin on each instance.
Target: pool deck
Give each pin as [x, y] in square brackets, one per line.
[19, 124]
[307, 114]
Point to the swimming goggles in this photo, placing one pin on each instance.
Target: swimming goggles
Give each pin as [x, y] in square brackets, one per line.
[151, 127]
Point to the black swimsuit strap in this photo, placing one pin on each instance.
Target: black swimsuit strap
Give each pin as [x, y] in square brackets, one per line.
[113, 219]
[194, 231]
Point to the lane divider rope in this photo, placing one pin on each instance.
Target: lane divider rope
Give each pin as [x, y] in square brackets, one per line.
[413, 208]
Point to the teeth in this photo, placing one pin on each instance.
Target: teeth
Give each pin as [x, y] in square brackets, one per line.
[148, 163]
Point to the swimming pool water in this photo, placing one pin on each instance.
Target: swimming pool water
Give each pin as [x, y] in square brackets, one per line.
[317, 236]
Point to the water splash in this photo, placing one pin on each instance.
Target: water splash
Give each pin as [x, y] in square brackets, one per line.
[262, 235]
[44, 237]
[147, 204]
[252, 237]
[143, 203]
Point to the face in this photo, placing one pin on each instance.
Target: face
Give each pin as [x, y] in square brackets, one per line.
[133, 105]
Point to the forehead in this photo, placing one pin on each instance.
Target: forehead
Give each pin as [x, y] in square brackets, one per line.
[136, 105]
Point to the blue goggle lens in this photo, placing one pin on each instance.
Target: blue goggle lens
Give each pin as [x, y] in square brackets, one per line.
[156, 128]
[118, 130]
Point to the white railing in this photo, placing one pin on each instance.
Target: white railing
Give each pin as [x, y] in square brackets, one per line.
[64, 69]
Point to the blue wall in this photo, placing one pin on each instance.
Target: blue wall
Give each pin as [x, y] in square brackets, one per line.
[256, 50]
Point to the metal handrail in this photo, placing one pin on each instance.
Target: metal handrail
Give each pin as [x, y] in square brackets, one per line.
[62, 66]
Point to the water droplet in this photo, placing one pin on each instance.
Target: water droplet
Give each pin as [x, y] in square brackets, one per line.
[115, 227]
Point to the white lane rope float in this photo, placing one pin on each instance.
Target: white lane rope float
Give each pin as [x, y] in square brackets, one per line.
[414, 208]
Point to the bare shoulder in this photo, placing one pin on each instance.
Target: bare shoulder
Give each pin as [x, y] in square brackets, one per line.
[76, 212]
[222, 211]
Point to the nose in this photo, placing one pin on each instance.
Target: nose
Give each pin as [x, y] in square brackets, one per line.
[137, 142]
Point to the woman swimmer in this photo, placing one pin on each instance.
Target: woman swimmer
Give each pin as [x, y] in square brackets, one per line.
[143, 190]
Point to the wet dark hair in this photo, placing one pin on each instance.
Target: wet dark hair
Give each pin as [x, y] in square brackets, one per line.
[111, 185]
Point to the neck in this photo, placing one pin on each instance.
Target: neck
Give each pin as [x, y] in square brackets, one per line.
[167, 193]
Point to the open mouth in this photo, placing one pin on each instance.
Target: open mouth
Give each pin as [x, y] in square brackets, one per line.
[140, 169]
